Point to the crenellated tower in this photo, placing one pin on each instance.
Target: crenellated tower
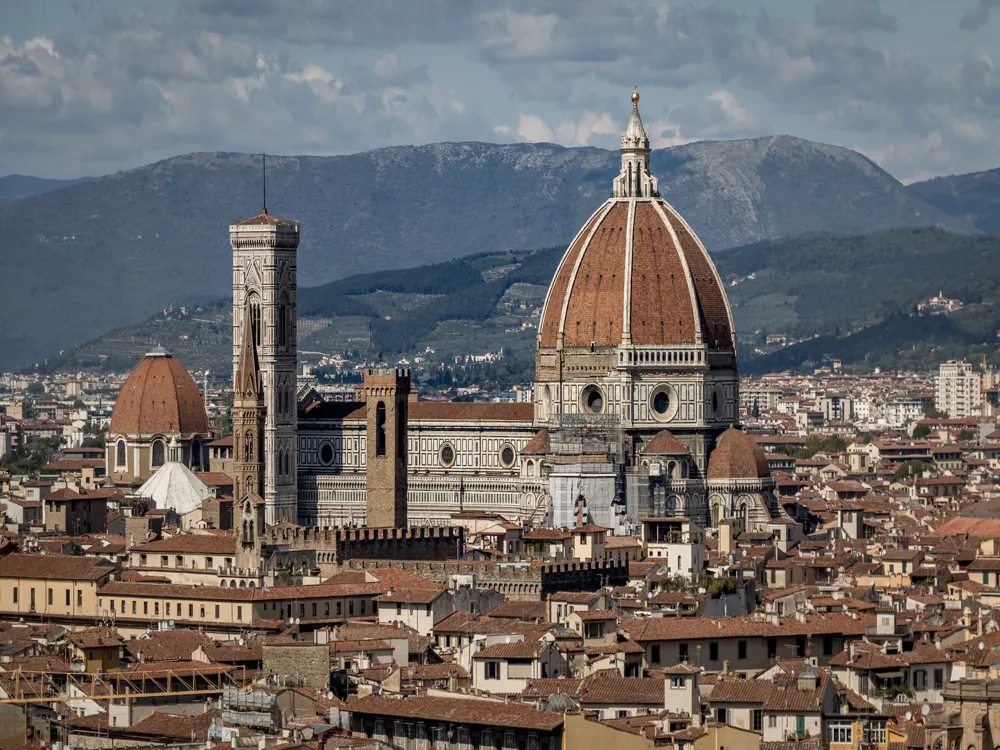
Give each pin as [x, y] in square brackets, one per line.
[387, 396]
[264, 299]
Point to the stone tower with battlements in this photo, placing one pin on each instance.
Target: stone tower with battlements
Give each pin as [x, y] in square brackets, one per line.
[386, 394]
[264, 298]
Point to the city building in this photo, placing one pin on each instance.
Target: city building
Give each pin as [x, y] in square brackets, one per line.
[958, 390]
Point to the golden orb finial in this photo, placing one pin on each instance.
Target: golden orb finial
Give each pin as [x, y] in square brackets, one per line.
[635, 94]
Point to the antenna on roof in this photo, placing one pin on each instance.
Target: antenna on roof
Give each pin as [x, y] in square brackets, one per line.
[263, 179]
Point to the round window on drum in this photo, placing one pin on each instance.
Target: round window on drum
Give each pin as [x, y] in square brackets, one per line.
[507, 455]
[592, 399]
[447, 455]
[663, 403]
[326, 454]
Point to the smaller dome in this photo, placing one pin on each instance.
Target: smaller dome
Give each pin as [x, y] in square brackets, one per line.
[159, 396]
[737, 456]
[666, 444]
[538, 445]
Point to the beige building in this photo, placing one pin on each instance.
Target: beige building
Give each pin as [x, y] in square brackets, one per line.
[194, 559]
[220, 456]
[504, 668]
[57, 586]
[416, 608]
[589, 542]
[582, 733]
[224, 610]
[958, 389]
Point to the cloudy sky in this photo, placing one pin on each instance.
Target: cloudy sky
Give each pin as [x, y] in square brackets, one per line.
[89, 87]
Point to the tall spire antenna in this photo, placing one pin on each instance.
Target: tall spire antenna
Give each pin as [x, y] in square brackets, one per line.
[263, 180]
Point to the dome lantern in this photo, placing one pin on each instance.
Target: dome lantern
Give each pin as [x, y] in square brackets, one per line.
[635, 180]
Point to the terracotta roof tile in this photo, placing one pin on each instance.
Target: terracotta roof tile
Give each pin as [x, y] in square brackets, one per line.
[205, 544]
[526, 649]
[56, 567]
[737, 456]
[676, 297]
[159, 396]
[538, 445]
[459, 711]
[666, 444]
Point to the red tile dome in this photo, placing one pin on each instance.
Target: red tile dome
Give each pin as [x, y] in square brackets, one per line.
[159, 396]
[737, 456]
[636, 274]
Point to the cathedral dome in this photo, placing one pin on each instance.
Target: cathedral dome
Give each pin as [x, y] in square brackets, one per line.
[737, 456]
[636, 274]
[159, 396]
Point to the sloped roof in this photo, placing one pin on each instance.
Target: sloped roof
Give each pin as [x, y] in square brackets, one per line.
[665, 443]
[175, 487]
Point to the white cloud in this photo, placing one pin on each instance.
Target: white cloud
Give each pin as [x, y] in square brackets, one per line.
[590, 124]
[736, 114]
[150, 88]
[532, 128]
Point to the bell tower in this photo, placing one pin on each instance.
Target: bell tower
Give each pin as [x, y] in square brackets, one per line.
[264, 300]
[248, 422]
[387, 395]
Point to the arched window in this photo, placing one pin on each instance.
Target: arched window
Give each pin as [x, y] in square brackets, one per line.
[157, 454]
[380, 429]
[253, 303]
[248, 446]
[283, 323]
[120, 462]
[401, 433]
[196, 454]
[249, 486]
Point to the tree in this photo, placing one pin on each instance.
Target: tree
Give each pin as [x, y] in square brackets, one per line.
[28, 459]
[816, 444]
[964, 436]
[921, 431]
[912, 468]
[36, 389]
[935, 413]
[94, 439]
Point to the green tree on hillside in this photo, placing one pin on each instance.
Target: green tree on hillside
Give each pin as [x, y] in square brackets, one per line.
[912, 468]
[817, 444]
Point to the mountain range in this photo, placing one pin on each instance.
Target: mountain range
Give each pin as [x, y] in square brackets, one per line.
[850, 297]
[14, 187]
[111, 251]
[974, 197]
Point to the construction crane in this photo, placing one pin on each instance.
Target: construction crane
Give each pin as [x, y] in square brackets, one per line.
[143, 681]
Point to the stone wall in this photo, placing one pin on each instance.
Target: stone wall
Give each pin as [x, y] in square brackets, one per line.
[340, 545]
[298, 664]
[519, 580]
